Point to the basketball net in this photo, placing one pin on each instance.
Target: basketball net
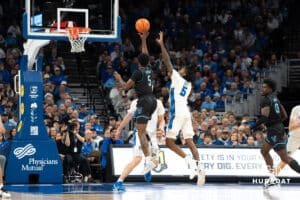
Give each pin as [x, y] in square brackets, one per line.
[77, 36]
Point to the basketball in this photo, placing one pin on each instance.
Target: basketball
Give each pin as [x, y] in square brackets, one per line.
[142, 25]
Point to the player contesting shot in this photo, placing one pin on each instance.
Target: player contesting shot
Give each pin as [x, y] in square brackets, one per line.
[180, 116]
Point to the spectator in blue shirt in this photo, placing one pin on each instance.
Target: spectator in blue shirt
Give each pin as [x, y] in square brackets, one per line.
[247, 89]
[208, 103]
[58, 77]
[90, 149]
[223, 139]
[5, 76]
[83, 113]
[110, 138]
[96, 125]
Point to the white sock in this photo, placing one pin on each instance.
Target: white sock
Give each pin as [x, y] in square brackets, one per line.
[148, 159]
[1, 185]
[187, 159]
[198, 164]
[120, 180]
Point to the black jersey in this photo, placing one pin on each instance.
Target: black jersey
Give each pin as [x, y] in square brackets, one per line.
[274, 104]
[143, 81]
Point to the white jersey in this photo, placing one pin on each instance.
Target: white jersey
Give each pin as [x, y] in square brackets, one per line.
[294, 124]
[152, 124]
[179, 92]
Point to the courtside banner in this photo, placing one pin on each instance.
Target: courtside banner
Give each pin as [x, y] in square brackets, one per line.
[244, 162]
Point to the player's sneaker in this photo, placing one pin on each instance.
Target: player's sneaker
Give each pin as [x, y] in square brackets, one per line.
[201, 178]
[75, 177]
[193, 168]
[148, 177]
[4, 194]
[149, 165]
[272, 181]
[118, 186]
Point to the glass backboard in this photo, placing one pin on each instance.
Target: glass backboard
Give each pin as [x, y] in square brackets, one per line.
[45, 19]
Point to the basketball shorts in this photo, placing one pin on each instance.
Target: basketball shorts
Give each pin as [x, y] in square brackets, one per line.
[276, 137]
[145, 107]
[180, 123]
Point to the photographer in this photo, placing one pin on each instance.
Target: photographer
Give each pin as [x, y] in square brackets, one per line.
[73, 140]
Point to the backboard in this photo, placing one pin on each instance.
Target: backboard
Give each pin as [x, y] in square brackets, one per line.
[47, 19]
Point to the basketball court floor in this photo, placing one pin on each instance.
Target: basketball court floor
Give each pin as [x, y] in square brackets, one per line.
[153, 191]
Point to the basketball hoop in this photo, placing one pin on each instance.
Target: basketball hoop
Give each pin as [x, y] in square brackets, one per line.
[77, 37]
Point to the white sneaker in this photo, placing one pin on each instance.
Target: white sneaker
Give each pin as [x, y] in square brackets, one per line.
[4, 194]
[193, 168]
[149, 165]
[271, 181]
[201, 178]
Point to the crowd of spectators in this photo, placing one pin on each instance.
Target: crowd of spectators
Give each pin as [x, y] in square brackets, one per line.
[227, 43]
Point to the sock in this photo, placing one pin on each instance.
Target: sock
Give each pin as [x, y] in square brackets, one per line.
[1, 185]
[120, 180]
[198, 164]
[187, 160]
[148, 159]
[295, 166]
[271, 173]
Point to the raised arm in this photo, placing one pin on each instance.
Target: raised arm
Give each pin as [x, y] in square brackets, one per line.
[143, 37]
[165, 54]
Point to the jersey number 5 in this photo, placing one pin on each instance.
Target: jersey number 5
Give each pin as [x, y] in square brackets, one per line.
[149, 80]
[183, 91]
[277, 108]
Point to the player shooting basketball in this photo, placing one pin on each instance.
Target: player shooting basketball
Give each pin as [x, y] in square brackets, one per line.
[141, 81]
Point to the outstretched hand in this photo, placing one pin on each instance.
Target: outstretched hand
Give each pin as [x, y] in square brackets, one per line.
[144, 35]
[160, 39]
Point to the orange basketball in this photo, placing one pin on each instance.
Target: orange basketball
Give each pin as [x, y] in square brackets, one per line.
[142, 25]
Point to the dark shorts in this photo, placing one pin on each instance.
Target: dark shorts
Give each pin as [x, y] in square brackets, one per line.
[145, 107]
[276, 137]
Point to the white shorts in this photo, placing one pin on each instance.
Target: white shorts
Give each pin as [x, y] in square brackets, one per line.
[180, 123]
[137, 148]
[293, 144]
